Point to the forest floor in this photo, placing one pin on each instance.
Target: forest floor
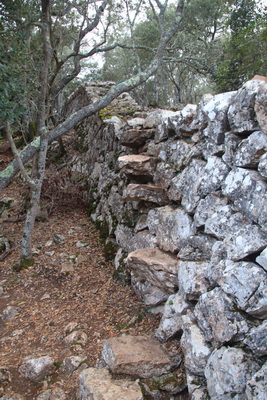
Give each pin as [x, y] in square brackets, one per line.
[70, 282]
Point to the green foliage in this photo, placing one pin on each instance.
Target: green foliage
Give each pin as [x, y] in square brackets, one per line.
[244, 50]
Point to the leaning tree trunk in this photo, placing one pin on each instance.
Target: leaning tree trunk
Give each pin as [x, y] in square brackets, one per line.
[26, 250]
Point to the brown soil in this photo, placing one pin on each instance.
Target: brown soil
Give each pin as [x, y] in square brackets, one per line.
[48, 299]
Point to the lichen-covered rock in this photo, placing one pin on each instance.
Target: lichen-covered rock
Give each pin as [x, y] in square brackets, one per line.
[231, 143]
[241, 113]
[248, 191]
[227, 372]
[171, 320]
[207, 206]
[139, 356]
[256, 387]
[197, 180]
[195, 348]
[171, 226]
[197, 387]
[192, 279]
[215, 115]
[246, 282]
[197, 248]
[185, 186]
[218, 320]
[97, 384]
[250, 150]
[262, 167]
[256, 339]
[142, 240]
[35, 369]
[244, 242]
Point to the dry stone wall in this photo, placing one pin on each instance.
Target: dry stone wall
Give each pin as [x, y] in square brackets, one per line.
[180, 198]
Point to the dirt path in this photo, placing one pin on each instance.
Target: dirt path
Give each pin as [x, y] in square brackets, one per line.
[70, 282]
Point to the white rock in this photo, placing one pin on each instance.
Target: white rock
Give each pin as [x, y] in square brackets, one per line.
[227, 372]
[35, 369]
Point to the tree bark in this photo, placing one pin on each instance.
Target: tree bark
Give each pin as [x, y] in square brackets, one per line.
[28, 152]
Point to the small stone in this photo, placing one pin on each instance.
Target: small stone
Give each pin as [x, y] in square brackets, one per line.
[49, 243]
[81, 244]
[67, 267]
[77, 337]
[59, 239]
[72, 363]
[10, 313]
[35, 369]
[52, 394]
[70, 327]
[97, 384]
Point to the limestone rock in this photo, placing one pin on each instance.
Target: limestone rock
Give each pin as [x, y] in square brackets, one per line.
[163, 175]
[262, 167]
[137, 165]
[192, 279]
[231, 143]
[155, 267]
[219, 322]
[186, 185]
[171, 320]
[241, 113]
[52, 394]
[197, 180]
[164, 128]
[70, 364]
[142, 240]
[76, 337]
[135, 138]
[10, 313]
[227, 372]
[250, 150]
[198, 248]
[215, 114]
[13, 396]
[248, 191]
[196, 386]
[97, 384]
[246, 240]
[171, 226]
[256, 387]
[151, 193]
[36, 369]
[262, 259]
[207, 206]
[195, 348]
[150, 294]
[256, 339]
[260, 106]
[246, 282]
[155, 117]
[140, 356]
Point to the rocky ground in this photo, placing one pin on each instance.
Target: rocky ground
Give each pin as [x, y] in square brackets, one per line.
[70, 288]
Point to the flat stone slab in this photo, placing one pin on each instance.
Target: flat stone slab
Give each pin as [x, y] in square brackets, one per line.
[140, 356]
[151, 193]
[137, 165]
[97, 384]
